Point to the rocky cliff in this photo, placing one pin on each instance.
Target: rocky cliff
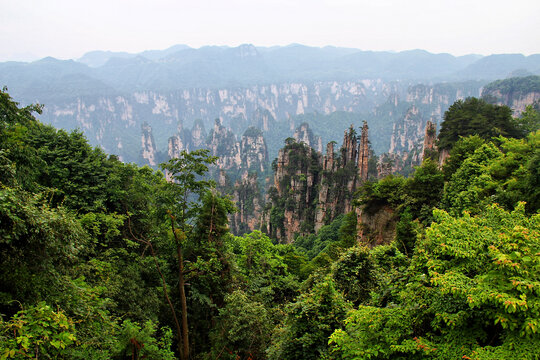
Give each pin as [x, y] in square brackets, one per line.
[113, 122]
[311, 190]
[148, 146]
[342, 175]
[429, 148]
[516, 92]
[292, 198]
[248, 199]
[250, 205]
[376, 228]
[253, 150]
[304, 135]
[424, 103]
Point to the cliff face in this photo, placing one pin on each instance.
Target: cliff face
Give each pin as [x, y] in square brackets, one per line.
[310, 190]
[250, 153]
[249, 203]
[378, 228]
[295, 190]
[364, 153]
[404, 162]
[342, 175]
[423, 103]
[148, 146]
[407, 131]
[516, 93]
[516, 101]
[253, 150]
[304, 135]
[429, 149]
[222, 143]
[113, 121]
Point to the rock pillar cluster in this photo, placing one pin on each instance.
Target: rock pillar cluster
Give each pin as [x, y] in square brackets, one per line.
[429, 149]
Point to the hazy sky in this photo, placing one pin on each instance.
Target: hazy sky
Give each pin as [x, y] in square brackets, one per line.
[64, 29]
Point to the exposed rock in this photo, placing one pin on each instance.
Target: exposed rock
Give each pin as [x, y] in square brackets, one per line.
[295, 190]
[263, 119]
[109, 120]
[198, 135]
[149, 151]
[253, 149]
[429, 149]
[407, 132]
[516, 93]
[222, 179]
[349, 149]
[249, 203]
[304, 134]
[222, 143]
[443, 155]
[282, 165]
[517, 102]
[376, 228]
[363, 154]
[175, 146]
[340, 177]
[329, 159]
[327, 184]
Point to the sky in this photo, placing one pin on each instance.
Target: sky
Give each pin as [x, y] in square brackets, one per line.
[66, 29]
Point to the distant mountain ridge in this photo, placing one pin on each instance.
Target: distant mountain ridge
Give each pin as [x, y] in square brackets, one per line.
[182, 67]
[111, 95]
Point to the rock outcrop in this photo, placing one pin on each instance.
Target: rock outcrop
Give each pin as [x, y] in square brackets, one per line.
[148, 145]
[376, 228]
[407, 132]
[342, 175]
[516, 93]
[249, 203]
[294, 193]
[248, 154]
[222, 143]
[311, 190]
[304, 135]
[253, 150]
[113, 119]
[429, 150]
[364, 153]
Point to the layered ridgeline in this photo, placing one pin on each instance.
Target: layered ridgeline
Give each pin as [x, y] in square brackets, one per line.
[244, 160]
[110, 96]
[397, 115]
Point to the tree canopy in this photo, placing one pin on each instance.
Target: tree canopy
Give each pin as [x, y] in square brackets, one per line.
[474, 116]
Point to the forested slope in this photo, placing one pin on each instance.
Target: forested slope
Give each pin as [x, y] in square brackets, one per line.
[105, 260]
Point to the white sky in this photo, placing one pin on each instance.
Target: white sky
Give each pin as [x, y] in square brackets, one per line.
[31, 29]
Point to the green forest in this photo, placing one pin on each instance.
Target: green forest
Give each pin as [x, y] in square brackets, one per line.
[100, 259]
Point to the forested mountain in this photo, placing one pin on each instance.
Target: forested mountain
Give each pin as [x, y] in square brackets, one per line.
[106, 260]
[111, 96]
[516, 92]
[299, 203]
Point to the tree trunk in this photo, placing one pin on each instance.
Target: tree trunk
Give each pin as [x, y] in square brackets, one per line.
[181, 287]
[181, 284]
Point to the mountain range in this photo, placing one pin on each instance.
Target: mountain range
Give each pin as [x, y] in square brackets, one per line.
[115, 97]
[181, 67]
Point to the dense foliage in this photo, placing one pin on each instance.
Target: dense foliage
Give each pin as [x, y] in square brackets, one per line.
[105, 260]
[474, 116]
[514, 86]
